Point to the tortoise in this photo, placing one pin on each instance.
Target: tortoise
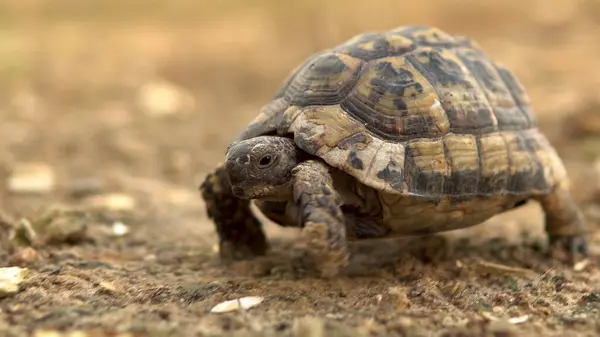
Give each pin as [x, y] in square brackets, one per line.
[409, 131]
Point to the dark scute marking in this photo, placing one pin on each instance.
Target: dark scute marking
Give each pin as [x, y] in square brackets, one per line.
[525, 181]
[489, 185]
[354, 161]
[328, 65]
[480, 72]
[484, 116]
[381, 47]
[309, 87]
[511, 84]
[400, 104]
[518, 95]
[412, 32]
[423, 183]
[348, 142]
[462, 183]
[511, 119]
[365, 112]
[537, 179]
[389, 81]
[440, 70]
[493, 184]
[393, 175]
[417, 125]
[306, 143]
[394, 81]
[475, 121]
[522, 179]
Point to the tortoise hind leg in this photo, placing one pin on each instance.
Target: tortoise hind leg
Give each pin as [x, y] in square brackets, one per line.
[565, 223]
[240, 233]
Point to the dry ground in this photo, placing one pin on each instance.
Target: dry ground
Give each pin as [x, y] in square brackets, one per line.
[83, 93]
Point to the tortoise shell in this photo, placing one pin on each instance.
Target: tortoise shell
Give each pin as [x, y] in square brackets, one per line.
[415, 111]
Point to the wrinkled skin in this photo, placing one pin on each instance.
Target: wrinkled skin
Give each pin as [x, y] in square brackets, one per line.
[261, 168]
[292, 190]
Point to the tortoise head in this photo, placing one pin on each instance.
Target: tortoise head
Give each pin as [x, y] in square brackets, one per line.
[261, 167]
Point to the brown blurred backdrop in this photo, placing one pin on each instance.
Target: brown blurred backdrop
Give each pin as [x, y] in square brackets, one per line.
[159, 87]
[133, 101]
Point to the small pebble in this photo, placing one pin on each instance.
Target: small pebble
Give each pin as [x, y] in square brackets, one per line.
[398, 297]
[107, 287]
[31, 178]
[24, 256]
[119, 229]
[11, 279]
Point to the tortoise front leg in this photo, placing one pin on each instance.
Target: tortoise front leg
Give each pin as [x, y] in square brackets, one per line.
[320, 216]
[564, 222]
[240, 233]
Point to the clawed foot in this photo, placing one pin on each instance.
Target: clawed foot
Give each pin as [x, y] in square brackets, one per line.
[251, 242]
[329, 259]
[240, 233]
[569, 245]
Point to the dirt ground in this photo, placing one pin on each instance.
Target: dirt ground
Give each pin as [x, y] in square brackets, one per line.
[117, 111]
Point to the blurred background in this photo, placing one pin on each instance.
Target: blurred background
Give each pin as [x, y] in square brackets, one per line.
[122, 107]
[158, 88]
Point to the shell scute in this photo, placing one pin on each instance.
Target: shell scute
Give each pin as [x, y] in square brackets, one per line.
[416, 111]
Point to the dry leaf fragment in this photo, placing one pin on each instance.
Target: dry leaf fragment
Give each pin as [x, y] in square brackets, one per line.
[499, 269]
[232, 305]
[581, 265]
[488, 316]
[518, 319]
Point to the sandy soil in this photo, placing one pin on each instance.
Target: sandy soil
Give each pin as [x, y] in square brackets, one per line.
[128, 107]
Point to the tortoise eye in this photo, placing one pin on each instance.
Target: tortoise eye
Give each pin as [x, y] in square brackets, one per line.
[266, 161]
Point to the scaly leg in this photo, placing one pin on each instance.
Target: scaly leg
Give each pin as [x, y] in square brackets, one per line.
[565, 223]
[320, 215]
[240, 233]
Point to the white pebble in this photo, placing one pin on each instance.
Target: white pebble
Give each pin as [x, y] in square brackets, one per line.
[119, 229]
[10, 280]
[519, 319]
[232, 305]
